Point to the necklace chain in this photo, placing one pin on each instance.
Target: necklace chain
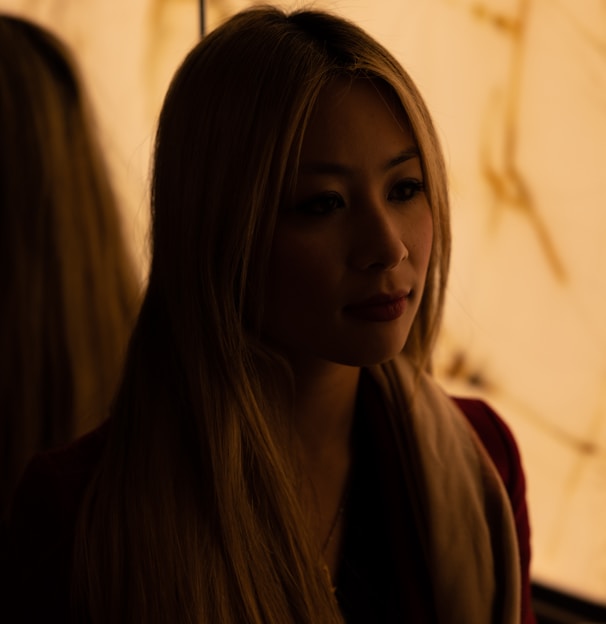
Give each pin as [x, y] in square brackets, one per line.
[331, 533]
[334, 524]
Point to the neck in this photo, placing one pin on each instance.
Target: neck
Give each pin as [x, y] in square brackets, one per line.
[324, 413]
[324, 410]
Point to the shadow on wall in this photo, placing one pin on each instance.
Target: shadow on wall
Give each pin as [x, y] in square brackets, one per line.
[554, 607]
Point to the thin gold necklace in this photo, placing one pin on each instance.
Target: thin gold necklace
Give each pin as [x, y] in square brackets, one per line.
[334, 524]
[331, 534]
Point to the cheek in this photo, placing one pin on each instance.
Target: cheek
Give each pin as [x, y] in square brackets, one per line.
[297, 274]
[423, 240]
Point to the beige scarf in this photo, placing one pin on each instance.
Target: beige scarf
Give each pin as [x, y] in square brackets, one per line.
[468, 523]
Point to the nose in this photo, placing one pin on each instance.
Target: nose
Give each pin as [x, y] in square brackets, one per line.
[378, 239]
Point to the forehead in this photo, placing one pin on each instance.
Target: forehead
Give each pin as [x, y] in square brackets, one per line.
[351, 112]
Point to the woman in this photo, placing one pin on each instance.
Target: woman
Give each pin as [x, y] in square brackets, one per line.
[69, 289]
[278, 451]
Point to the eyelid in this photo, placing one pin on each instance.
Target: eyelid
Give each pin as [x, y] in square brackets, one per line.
[412, 186]
[323, 197]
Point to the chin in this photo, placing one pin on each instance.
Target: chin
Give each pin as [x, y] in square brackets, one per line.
[378, 351]
[370, 357]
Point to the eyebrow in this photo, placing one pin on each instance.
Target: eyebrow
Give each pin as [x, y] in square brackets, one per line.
[320, 167]
[403, 156]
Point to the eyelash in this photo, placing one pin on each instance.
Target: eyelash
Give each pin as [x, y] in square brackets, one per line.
[322, 204]
[412, 188]
[326, 203]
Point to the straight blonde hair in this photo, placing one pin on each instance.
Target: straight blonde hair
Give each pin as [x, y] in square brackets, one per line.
[193, 515]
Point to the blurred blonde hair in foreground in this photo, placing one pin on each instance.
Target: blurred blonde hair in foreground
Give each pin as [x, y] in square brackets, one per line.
[68, 283]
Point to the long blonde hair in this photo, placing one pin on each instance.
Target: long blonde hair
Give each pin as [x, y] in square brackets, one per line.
[193, 515]
[69, 287]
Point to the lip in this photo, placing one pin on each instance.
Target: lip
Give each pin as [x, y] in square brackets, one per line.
[380, 308]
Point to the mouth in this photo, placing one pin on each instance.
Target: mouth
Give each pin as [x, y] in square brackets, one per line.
[380, 308]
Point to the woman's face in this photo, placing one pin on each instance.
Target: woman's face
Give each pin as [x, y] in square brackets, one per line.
[350, 255]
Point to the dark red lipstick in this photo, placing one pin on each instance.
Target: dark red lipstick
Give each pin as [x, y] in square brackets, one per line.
[380, 308]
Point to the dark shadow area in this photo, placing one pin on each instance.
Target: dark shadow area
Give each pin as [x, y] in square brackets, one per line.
[556, 607]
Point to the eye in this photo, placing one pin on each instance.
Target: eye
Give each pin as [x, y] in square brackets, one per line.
[322, 204]
[405, 190]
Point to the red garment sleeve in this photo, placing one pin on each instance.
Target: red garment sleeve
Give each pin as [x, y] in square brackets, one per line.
[503, 449]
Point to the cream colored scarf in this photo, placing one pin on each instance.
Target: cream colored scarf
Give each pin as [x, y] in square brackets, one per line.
[470, 534]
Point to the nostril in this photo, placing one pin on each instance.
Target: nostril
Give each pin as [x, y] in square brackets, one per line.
[385, 258]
